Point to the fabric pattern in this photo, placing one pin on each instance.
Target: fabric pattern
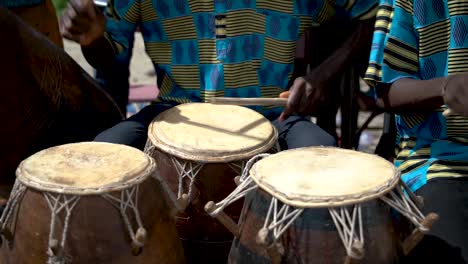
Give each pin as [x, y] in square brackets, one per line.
[206, 48]
[423, 39]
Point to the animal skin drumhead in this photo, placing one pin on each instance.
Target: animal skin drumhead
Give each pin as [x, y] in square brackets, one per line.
[87, 167]
[212, 133]
[324, 176]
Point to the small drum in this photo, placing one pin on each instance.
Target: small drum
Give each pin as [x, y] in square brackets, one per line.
[321, 205]
[88, 203]
[200, 148]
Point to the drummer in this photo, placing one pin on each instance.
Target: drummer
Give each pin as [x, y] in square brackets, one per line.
[418, 67]
[203, 49]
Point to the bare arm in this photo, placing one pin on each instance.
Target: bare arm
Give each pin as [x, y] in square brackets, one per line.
[409, 95]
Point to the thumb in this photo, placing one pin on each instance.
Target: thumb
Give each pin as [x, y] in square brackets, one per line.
[285, 94]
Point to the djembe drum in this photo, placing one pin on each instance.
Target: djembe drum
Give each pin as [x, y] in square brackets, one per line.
[321, 205]
[88, 203]
[200, 148]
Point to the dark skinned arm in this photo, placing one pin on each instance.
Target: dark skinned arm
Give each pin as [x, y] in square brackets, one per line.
[100, 53]
[409, 95]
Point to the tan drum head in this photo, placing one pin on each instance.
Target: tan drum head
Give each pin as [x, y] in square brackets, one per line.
[85, 168]
[212, 133]
[324, 177]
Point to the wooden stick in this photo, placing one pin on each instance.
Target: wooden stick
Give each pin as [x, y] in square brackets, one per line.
[247, 101]
[100, 3]
[415, 237]
[223, 218]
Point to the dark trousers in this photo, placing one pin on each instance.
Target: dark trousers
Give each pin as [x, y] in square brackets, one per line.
[447, 241]
[295, 132]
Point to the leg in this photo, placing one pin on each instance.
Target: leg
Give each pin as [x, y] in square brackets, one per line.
[297, 132]
[447, 241]
[133, 131]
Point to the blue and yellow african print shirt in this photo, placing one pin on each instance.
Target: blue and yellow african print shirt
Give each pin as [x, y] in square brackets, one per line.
[234, 48]
[423, 39]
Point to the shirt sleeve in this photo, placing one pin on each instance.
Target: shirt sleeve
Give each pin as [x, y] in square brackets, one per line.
[358, 9]
[122, 22]
[394, 52]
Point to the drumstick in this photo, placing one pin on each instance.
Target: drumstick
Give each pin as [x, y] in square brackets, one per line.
[100, 3]
[247, 101]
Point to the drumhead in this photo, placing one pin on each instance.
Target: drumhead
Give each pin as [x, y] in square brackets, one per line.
[324, 177]
[85, 168]
[212, 133]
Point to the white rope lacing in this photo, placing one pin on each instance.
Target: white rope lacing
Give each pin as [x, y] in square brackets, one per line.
[237, 166]
[345, 223]
[244, 187]
[405, 205]
[277, 221]
[8, 219]
[57, 203]
[128, 200]
[186, 169]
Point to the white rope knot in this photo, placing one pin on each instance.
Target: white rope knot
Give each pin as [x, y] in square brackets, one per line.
[262, 236]
[140, 237]
[357, 250]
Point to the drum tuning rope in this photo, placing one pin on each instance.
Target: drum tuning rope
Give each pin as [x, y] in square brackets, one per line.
[129, 200]
[57, 203]
[345, 223]
[242, 189]
[8, 219]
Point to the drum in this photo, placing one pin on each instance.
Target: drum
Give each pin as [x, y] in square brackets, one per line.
[88, 203]
[46, 100]
[201, 148]
[321, 205]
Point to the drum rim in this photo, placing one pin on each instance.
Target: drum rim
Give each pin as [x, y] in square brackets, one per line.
[329, 201]
[22, 177]
[204, 156]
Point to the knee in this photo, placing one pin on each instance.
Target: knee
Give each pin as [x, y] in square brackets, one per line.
[127, 133]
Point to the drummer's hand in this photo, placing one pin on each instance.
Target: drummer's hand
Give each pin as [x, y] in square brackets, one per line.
[82, 22]
[304, 97]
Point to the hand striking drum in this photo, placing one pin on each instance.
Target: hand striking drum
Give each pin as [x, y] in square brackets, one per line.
[200, 148]
[320, 205]
[88, 203]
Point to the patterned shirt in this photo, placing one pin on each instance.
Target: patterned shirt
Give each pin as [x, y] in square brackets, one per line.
[233, 48]
[423, 39]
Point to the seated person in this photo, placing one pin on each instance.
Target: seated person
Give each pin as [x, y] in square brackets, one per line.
[203, 49]
[419, 67]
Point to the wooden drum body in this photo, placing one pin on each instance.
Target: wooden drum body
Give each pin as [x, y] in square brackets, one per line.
[200, 149]
[88, 203]
[321, 205]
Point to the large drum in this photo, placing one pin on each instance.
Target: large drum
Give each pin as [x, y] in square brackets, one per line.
[88, 203]
[201, 148]
[321, 205]
[46, 99]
